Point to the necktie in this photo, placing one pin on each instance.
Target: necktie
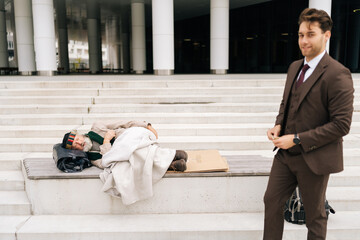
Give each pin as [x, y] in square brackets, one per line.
[302, 75]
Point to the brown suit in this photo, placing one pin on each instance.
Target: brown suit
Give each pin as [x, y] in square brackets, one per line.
[320, 111]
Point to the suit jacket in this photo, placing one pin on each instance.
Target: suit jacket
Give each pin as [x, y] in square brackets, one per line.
[323, 113]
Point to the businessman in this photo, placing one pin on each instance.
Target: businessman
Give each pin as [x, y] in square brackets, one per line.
[315, 113]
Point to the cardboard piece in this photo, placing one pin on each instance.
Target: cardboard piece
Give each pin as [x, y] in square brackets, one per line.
[206, 161]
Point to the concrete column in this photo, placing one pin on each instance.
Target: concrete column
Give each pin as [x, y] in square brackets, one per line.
[4, 55]
[163, 36]
[125, 47]
[138, 36]
[44, 37]
[13, 29]
[94, 36]
[25, 37]
[112, 30]
[323, 5]
[219, 36]
[62, 36]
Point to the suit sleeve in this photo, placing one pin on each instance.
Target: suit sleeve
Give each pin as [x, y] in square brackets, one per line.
[280, 116]
[340, 97]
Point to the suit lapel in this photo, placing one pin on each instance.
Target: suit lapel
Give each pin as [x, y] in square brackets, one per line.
[314, 77]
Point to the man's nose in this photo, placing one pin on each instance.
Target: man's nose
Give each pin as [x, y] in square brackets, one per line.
[304, 39]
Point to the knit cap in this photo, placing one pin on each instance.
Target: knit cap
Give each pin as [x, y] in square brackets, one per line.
[68, 139]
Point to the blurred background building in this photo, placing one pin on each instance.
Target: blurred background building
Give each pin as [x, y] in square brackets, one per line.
[163, 37]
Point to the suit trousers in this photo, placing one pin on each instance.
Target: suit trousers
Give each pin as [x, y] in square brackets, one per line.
[287, 172]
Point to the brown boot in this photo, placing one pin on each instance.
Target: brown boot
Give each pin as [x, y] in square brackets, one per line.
[181, 154]
[178, 165]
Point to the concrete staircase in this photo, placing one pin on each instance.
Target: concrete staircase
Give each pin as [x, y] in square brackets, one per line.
[230, 113]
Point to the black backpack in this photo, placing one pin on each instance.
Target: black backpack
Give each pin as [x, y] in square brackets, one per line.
[294, 209]
[68, 160]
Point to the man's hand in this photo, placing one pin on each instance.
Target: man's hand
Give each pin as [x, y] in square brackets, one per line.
[274, 132]
[284, 142]
[108, 136]
[149, 127]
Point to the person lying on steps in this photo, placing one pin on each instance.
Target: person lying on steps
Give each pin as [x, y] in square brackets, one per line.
[102, 136]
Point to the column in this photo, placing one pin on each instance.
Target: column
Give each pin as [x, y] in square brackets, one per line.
[125, 47]
[25, 37]
[138, 36]
[219, 36]
[4, 55]
[13, 29]
[163, 36]
[94, 36]
[62, 36]
[322, 5]
[112, 37]
[44, 37]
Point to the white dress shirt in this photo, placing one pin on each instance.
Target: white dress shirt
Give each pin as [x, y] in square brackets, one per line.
[312, 64]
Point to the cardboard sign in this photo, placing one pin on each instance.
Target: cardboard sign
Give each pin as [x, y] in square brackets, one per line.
[206, 161]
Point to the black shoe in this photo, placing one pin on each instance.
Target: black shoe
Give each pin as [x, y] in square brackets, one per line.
[181, 154]
[178, 165]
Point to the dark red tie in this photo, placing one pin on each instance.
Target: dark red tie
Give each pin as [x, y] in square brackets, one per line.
[302, 75]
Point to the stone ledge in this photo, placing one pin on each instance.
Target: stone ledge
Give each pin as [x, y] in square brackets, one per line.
[239, 165]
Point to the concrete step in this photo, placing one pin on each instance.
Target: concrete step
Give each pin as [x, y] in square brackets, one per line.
[145, 99]
[139, 91]
[14, 203]
[160, 99]
[10, 161]
[213, 193]
[143, 81]
[11, 181]
[139, 108]
[61, 82]
[236, 129]
[256, 107]
[176, 142]
[349, 177]
[162, 129]
[210, 226]
[351, 155]
[344, 198]
[154, 118]
[9, 225]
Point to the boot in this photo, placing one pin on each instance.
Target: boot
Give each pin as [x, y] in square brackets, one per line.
[181, 154]
[178, 165]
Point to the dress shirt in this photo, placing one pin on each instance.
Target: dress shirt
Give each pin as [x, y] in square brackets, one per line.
[312, 64]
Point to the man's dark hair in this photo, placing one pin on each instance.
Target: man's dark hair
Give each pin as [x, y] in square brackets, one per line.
[312, 15]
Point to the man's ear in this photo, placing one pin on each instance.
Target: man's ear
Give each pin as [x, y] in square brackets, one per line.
[327, 35]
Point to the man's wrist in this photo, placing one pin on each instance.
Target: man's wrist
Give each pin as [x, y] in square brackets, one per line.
[296, 139]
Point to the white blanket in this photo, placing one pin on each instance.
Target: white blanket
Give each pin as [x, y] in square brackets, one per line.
[134, 163]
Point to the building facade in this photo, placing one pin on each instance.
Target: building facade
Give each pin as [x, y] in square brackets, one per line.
[161, 37]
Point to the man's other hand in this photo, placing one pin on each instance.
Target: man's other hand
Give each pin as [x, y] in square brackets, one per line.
[284, 142]
[108, 136]
[149, 127]
[274, 132]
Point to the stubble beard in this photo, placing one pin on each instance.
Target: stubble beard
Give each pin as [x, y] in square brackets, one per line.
[88, 144]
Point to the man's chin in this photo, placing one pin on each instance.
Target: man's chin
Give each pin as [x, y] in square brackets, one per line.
[86, 148]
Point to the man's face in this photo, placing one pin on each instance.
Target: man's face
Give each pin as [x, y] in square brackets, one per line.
[79, 142]
[312, 40]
